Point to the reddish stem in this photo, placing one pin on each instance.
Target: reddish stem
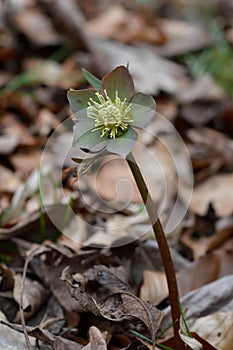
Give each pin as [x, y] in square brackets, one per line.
[163, 248]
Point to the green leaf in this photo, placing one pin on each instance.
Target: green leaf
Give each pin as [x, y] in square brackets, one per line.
[94, 81]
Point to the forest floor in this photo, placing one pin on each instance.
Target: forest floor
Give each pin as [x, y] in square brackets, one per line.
[79, 267]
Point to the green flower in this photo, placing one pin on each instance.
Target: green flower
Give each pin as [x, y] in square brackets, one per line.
[106, 117]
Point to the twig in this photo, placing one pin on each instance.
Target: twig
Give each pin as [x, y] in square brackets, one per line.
[22, 318]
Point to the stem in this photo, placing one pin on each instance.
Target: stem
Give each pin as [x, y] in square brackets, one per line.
[163, 248]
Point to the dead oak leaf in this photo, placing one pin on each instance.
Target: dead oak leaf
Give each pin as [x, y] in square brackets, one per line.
[117, 306]
[57, 342]
[214, 190]
[97, 340]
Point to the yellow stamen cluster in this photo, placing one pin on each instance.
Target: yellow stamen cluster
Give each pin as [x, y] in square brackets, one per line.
[112, 117]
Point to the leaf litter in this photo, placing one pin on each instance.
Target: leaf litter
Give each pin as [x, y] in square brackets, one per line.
[77, 294]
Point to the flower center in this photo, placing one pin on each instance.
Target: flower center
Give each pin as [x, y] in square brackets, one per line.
[112, 118]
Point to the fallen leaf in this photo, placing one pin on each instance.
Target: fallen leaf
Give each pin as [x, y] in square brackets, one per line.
[215, 328]
[33, 298]
[97, 340]
[204, 88]
[164, 75]
[114, 182]
[147, 257]
[124, 26]
[9, 180]
[51, 73]
[215, 141]
[208, 268]
[114, 306]
[57, 342]
[182, 37]
[114, 278]
[26, 161]
[214, 190]
[8, 143]
[10, 338]
[206, 242]
[154, 288]
[206, 300]
[35, 26]
[23, 192]
[6, 278]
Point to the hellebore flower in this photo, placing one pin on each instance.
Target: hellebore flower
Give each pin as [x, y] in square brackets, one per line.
[106, 117]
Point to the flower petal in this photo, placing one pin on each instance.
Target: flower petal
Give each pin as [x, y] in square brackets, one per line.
[78, 100]
[118, 80]
[87, 139]
[123, 145]
[143, 109]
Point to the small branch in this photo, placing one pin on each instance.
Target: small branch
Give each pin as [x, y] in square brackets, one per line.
[27, 341]
[163, 247]
[28, 258]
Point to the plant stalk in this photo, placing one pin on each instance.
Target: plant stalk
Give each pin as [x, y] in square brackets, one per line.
[163, 248]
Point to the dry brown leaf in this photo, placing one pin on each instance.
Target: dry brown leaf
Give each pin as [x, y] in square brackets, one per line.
[6, 278]
[114, 306]
[13, 127]
[97, 339]
[154, 288]
[114, 278]
[210, 298]
[29, 224]
[9, 180]
[167, 107]
[8, 143]
[204, 88]
[124, 26]
[164, 75]
[215, 141]
[215, 328]
[205, 243]
[147, 257]
[25, 162]
[57, 342]
[208, 268]
[216, 191]
[10, 338]
[51, 73]
[123, 305]
[33, 298]
[35, 26]
[183, 37]
[114, 182]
